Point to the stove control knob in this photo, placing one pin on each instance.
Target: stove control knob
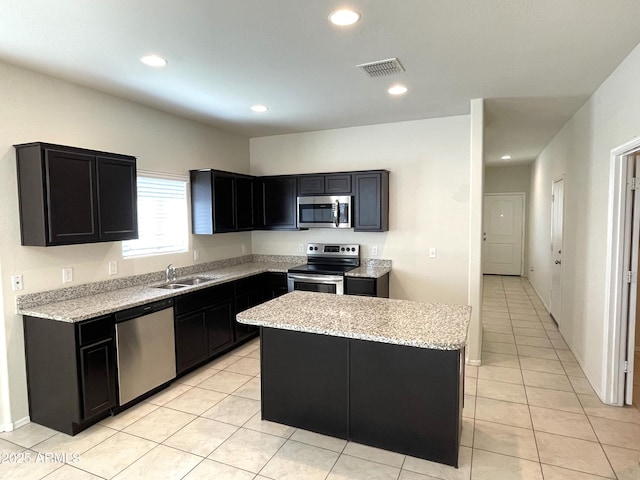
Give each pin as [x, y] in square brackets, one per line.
[342, 249]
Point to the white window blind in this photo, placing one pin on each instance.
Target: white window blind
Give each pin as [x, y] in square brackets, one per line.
[162, 216]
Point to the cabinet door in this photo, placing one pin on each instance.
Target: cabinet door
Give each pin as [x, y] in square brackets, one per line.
[224, 218]
[371, 201]
[274, 284]
[71, 198]
[98, 377]
[311, 185]
[337, 184]
[246, 299]
[191, 340]
[219, 320]
[117, 198]
[201, 202]
[245, 193]
[279, 203]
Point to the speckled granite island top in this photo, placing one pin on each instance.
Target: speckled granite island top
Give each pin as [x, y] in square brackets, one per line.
[426, 325]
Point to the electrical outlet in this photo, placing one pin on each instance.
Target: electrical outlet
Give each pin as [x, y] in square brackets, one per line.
[244, 249]
[16, 283]
[113, 267]
[301, 248]
[196, 255]
[374, 251]
[67, 275]
[433, 253]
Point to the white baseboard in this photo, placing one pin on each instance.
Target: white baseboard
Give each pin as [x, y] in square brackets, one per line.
[9, 427]
[474, 363]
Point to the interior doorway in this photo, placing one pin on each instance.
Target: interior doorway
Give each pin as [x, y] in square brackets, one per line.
[503, 234]
[623, 295]
[557, 230]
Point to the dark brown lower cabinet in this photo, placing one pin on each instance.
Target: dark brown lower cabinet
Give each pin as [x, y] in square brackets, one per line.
[71, 372]
[399, 398]
[203, 325]
[367, 287]
[249, 293]
[191, 340]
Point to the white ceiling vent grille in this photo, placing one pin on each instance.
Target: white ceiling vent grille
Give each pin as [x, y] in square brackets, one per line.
[382, 67]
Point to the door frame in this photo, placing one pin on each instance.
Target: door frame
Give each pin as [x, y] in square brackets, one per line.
[562, 179]
[524, 224]
[616, 290]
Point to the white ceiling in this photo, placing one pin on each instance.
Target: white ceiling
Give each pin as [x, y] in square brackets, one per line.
[535, 61]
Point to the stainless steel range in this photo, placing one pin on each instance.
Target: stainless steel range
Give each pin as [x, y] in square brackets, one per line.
[325, 268]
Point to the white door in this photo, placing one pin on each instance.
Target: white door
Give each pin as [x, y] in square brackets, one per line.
[632, 239]
[557, 226]
[502, 234]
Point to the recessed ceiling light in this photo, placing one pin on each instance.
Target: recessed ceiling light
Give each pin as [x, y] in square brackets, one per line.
[344, 17]
[505, 157]
[398, 90]
[259, 108]
[153, 61]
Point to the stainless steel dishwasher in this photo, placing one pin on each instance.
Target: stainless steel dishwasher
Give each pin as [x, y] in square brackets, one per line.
[145, 343]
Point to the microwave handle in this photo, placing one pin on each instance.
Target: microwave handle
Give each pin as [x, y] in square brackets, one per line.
[336, 214]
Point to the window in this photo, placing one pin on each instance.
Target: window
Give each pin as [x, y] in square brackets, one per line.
[162, 216]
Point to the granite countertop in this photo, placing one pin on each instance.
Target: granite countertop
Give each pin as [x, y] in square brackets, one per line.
[90, 306]
[368, 271]
[426, 325]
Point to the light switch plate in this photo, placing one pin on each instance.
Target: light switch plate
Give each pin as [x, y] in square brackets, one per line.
[113, 267]
[433, 253]
[67, 275]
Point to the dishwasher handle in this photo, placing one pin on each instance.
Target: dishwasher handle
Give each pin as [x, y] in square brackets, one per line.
[142, 310]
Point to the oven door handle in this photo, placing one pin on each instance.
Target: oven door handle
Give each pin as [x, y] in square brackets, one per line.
[317, 278]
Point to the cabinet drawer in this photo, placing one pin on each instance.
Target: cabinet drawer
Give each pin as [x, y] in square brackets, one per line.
[95, 329]
[360, 286]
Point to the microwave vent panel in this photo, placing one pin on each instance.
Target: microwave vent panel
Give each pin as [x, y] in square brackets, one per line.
[382, 67]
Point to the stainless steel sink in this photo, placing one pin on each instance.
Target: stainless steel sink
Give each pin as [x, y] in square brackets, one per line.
[187, 282]
[195, 280]
[171, 286]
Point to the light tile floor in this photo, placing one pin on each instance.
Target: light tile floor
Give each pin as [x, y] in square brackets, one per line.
[530, 413]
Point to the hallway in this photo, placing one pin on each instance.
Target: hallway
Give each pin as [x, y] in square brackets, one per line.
[534, 411]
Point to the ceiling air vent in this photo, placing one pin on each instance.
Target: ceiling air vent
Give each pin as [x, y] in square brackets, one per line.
[382, 67]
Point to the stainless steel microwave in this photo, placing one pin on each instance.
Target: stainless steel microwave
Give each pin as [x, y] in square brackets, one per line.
[324, 212]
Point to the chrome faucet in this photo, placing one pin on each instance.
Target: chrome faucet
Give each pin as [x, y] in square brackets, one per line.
[170, 273]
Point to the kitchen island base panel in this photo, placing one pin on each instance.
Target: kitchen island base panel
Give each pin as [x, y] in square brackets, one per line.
[399, 398]
[307, 380]
[406, 399]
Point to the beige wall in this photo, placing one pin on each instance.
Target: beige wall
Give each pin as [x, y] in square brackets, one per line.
[581, 152]
[429, 197]
[507, 179]
[36, 107]
[516, 179]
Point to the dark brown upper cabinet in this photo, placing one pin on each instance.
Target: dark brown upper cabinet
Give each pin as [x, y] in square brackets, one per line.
[277, 203]
[221, 201]
[71, 195]
[371, 201]
[329, 184]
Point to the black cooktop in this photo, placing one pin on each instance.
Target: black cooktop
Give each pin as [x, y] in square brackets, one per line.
[322, 269]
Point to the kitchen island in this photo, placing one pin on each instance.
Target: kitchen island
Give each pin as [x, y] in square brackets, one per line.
[381, 372]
